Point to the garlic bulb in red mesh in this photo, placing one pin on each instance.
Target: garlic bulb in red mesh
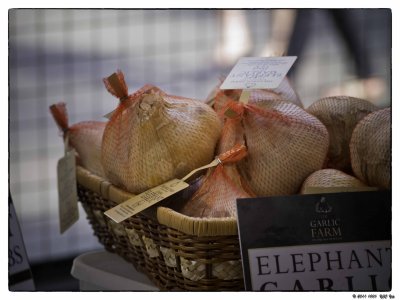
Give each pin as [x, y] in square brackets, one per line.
[153, 137]
[84, 137]
[370, 149]
[221, 186]
[285, 145]
[340, 115]
[217, 194]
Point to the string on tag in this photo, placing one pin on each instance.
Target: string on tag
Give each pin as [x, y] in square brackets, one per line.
[214, 163]
[66, 142]
[235, 154]
[244, 96]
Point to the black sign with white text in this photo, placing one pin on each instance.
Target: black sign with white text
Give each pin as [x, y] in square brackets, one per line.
[320, 242]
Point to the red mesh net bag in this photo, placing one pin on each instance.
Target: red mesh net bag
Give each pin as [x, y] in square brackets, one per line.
[285, 144]
[84, 137]
[153, 137]
[222, 185]
[340, 115]
[370, 149]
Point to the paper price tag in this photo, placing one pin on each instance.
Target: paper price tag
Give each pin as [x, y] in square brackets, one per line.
[67, 191]
[258, 72]
[144, 200]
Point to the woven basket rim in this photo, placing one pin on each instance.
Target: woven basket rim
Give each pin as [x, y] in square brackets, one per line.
[196, 226]
[101, 186]
[165, 216]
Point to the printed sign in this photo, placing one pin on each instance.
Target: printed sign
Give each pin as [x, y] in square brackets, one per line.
[144, 200]
[319, 242]
[19, 272]
[258, 72]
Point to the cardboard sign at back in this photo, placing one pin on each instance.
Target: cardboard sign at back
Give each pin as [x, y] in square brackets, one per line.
[19, 271]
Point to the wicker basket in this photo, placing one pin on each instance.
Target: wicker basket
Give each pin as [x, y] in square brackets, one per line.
[176, 252]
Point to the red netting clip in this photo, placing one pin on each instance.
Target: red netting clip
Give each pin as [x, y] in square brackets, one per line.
[116, 85]
[238, 152]
[59, 113]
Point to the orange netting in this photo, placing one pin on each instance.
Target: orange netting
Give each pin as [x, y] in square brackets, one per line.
[84, 137]
[222, 185]
[285, 143]
[153, 137]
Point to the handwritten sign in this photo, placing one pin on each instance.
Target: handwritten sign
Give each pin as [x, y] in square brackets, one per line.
[319, 242]
[258, 72]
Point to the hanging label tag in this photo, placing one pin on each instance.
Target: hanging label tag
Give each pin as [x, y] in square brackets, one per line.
[150, 197]
[67, 191]
[144, 200]
[258, 72]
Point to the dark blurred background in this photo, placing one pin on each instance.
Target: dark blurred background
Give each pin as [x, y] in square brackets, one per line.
[63, 54]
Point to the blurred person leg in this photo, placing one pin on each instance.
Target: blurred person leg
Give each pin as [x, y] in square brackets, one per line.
[235, 39]
[349, 23]
[302, 28]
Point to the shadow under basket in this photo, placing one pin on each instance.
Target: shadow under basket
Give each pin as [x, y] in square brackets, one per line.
[176, 252]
